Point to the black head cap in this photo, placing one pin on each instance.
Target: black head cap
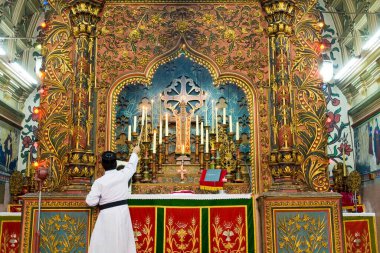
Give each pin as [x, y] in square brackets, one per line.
[109, 160]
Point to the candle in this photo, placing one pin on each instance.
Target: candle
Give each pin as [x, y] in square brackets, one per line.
[212, 116]
[237, 131]
[160, 133]
[206, 114]
[154, 142]
[230, 121]
[196, 125]
[27, 165]
[167, 124]
[129, 132]
[202, 133]
[134, 124]
[183, 149]
[224, 116]
[206, 145]
[216, 124]
[344, 163]
[142, 117]
[146, 124]
[152, 101]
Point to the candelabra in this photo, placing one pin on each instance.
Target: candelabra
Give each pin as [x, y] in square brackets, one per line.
[201, 157]
[217, 160]
[137, 176]
[196, 148]
[207, 160]
[146, 176]
[238, 176]
[160, 158]
[154, 168]
[166, 149]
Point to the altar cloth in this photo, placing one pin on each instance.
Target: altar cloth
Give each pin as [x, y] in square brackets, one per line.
[193, 223]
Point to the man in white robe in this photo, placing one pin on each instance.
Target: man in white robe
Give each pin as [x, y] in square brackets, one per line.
[113, 232]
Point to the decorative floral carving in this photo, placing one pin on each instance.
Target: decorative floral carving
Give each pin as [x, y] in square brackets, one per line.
[311, 107]
[63, 233]
[303, 233]
[229, 236]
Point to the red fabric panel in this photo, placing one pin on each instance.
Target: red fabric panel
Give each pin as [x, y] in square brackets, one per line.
[10, 236]
[144, 228]
[182, 229]
[228, 229]
[357, 236]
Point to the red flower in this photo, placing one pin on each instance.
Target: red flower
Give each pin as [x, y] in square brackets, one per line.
[36, 116]
[331, 121]
[26, 141]
[347, 149]
[335, 102]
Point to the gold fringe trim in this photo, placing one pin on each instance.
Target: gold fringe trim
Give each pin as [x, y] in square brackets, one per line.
[210, 188]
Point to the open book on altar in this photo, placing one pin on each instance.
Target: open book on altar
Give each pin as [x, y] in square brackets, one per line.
[212, 179]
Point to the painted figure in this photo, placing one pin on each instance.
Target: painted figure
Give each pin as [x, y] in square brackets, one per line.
[8, 149]
[113, 230]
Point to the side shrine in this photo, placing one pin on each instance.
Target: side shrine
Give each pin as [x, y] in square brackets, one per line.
[200, 85]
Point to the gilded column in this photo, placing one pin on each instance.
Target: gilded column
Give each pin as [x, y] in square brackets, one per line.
[284, 157]
[81, 162]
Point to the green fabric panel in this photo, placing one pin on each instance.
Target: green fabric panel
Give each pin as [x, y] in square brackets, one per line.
[371, 221]
[188, 202]
[205, 233]
[160, 230]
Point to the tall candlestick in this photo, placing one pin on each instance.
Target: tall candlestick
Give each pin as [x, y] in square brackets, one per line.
[134, 124]
[167, 124]
[152, 102]
[224, 116]
[237, 131]
[202, 133]
[154, 142]
[28, 165]
[230, 121]
[212, 116]
[344, 163]
[207, 140]
[206, 119]
[196, 125]
[146, 124]
[129, 132]
[160, 133]
[143, 117]
[216, 124]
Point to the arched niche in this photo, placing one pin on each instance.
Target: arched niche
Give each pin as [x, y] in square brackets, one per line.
[130, 92]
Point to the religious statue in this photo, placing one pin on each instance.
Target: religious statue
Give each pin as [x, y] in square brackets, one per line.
[183, 97]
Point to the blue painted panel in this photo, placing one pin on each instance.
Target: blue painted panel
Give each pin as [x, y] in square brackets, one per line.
[303, 231]
[64, 231]
[131, 96]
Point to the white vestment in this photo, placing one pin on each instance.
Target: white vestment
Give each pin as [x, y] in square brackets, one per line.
[113, 232]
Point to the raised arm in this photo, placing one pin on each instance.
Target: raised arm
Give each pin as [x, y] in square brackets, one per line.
[130, 167]
[93, 196]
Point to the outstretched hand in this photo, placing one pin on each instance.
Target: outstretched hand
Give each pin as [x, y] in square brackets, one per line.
[136, 150]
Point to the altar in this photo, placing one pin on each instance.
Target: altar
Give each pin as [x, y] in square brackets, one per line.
[199, 86]
[161, 223]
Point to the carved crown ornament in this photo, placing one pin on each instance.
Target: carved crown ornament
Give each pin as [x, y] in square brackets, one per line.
[85, 16]
[280, 15]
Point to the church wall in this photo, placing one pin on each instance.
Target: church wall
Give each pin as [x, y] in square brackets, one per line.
[340, 133]
[28, 138]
